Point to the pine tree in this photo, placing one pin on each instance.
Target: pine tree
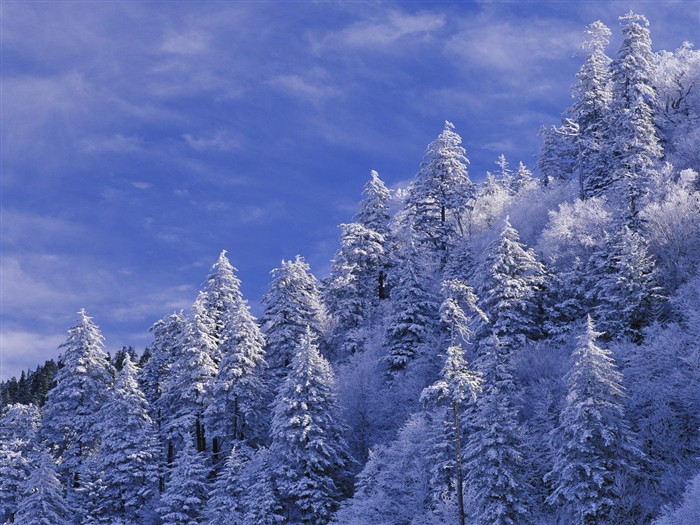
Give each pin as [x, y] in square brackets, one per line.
[593, 443]
[260, 499]
[590, 111]
[374, 208]
[352, 291]
[71, 413]
[237, 392]
[622, 285]
[494, 461]
[291, 304]
[511, 289]
[441, 194]
[309, 452]
[42, 501]
[224, 506]
[184, 499]
[127, 459]
[523, 180]
[635, 146]
[558, 157]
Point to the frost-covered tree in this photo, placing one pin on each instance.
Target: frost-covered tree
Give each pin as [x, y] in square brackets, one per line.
[127, 459]
[441, 194]
[309, 453]
[72, 411]
[511, 288]
[351, 292]
[217, 301]
[224, 506]
[260, 499]
[237, 392]
[185, 495]
[413, 315]
[523, 180]
[590, 110]
[497, 474]
[18, 442]
[594, 447]
[374, 208]
[622, 289]
[457, 383]
[42, 501]
[558, 156]
[635, 148]
[292, 303]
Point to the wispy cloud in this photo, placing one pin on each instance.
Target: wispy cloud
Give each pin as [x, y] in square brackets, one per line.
[219, 140]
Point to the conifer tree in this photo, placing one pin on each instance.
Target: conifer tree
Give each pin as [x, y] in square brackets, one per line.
[441, 194]
[127, 459]
[291, 304]
[184, 499]
[594, 447]
[511, 289]
[224, 506]
[635, 146]
[523, 180]
[71, 413]
[260, 499]
[42, 501]
[374, 208]
[309, 453]
[352, 291]
[237, 391]
[495, 465]
[590, 111]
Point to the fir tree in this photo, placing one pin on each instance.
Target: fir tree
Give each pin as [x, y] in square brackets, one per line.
[184, 499]
[495, 465]
[441, 194]
[42, 501]
[127, 459]
[224, 506]
[260, 499]
[71, 414]
[593, 443]
[309, 451]
[374, 208]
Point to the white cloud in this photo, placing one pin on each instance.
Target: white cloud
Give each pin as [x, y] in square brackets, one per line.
[186, 43]
[115, 144]
[20, 350]
[220, 140]
[307, 87]
[141, 185]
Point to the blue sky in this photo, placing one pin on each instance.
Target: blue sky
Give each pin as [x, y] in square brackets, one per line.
[139, 139]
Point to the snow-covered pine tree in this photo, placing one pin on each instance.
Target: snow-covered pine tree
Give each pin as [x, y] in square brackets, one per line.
[511, 289]
[590, 112]
[128, 456]
[635, 147]
[224, 506]
[309, 453]
[440, 195]
[260, 499]
[71, 414]
[237, 392]
[374, 208]
[457, 383]
[523, 179]
[18, 442]
[217, 301]
[351, 293]
[594, 446]
[184, 499]
[504, 175]
[42, 501]
[622, 285]
[557, 158]
[413, 318]
[494, 461]
[292, 303]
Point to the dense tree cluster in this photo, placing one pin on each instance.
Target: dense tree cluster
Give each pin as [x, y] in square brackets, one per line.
[510, 351]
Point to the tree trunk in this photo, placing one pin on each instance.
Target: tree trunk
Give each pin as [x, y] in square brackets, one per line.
[460, 483]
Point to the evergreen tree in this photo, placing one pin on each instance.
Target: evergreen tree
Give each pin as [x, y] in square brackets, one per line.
[71, 413]
[495, 466]
[635, 146]
[594, 446]
[511, 290]
[291, 304]
[260, 499]
[309, 452]
[42, 501]
[127, 459]
[590, 111]
[523, 180]
[558, 156]
[237, 392]
[352, 291]
[622, 288]
[441, 194]
[184, 499]
[224, 506]
[374, 208]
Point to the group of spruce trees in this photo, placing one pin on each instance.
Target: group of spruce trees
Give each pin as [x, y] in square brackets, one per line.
[405, 388]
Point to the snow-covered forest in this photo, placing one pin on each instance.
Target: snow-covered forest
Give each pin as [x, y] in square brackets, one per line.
[523, 350]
